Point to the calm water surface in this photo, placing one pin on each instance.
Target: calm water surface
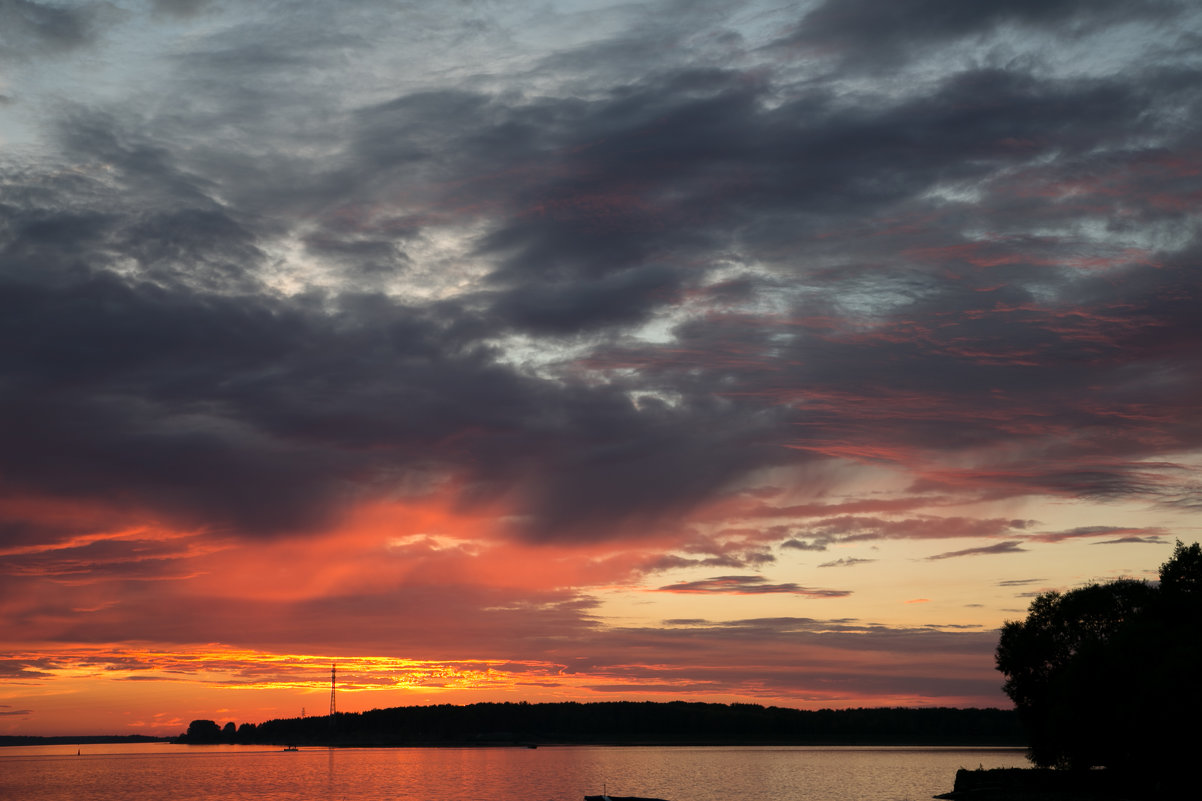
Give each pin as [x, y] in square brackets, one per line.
[158, 771]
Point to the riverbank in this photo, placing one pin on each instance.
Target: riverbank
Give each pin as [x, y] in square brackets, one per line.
[1041, 784]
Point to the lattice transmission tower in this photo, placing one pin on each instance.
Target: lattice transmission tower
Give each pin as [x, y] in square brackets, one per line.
[333, 687]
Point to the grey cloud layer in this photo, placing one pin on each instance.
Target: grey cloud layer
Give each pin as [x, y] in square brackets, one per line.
[825, 273]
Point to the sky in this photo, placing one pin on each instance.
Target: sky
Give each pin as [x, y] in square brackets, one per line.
[740, 351]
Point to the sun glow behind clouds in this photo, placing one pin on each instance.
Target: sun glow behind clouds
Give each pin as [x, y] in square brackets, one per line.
[222, 668]
[124, 687]
[249, 686]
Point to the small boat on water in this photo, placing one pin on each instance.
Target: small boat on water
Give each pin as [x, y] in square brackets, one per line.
[291, 748]
[605, 796]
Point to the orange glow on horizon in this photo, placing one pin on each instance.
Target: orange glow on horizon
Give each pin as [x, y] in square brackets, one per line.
[198, 684]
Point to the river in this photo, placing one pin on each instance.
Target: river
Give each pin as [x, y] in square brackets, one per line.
[157, 771]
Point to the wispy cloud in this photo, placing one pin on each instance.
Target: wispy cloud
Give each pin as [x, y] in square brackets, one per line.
[1126, 534]
[847, 561]
[1008, 547]
[803, 545]
[749, 585]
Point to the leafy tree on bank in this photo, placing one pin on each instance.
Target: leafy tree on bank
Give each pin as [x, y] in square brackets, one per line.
[209, 732]
[1108, 674]
[202, 731]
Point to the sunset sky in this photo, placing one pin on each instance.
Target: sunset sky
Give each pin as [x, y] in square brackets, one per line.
[581, 350]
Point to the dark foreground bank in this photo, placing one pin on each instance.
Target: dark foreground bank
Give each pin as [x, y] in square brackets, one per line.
[1042, 784]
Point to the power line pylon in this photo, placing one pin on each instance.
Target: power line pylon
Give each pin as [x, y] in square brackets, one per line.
[333, 686]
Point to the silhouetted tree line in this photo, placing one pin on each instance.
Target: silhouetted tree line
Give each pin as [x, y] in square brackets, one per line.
[77, 739]
[625, 722]
[1110, 675]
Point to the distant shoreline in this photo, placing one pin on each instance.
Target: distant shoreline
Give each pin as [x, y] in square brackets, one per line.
[19, 740]
[626, 723]
[675, 723]
[79, 739]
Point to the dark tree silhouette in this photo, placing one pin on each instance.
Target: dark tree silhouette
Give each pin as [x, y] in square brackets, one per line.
[1181, 576]
[202, 731]
[1107, 674]
[630, 722]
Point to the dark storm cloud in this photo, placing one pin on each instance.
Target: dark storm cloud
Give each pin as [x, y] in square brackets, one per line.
[181, 8]
[267, 416]
[876, 32]
[153, 360]
[29, 28]
[141, 173]
[271, 407]
[682, 164]
[135, 412]
[623, 299]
